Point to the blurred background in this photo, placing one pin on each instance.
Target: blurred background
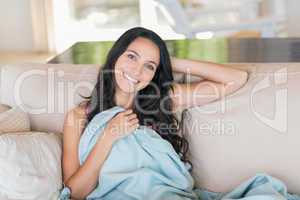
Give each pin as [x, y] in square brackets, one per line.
[38, 30]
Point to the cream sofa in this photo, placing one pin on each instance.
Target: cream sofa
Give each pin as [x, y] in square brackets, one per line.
[253, 130]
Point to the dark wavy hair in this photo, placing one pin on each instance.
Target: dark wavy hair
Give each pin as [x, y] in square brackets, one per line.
[157, 110]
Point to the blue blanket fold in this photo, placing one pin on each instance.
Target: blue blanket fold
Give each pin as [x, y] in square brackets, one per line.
[144, 166]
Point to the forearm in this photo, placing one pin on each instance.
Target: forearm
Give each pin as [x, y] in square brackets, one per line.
[208, 70]
[85, 179]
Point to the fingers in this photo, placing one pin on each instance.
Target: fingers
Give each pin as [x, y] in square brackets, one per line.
[130, 121]
[131, 117]
[135, 126]
[132, 128]
[129, 130]
[127, 112]
[133, 122]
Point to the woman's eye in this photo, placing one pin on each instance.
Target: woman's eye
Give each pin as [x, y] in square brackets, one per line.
[151, 67]
[130, 56]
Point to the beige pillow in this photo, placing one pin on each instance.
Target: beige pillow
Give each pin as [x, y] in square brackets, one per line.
[30, 166]
[13, 120]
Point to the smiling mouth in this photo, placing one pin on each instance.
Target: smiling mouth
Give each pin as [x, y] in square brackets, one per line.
[132, 80]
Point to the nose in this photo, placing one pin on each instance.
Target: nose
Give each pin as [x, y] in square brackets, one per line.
[137, 70]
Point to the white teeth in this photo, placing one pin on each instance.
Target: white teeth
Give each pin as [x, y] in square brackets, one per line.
[130, 78]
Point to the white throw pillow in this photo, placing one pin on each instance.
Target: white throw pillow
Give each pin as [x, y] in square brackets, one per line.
[13, 120]
[30, 166]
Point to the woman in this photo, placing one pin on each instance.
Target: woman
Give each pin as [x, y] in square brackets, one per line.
[137, 76]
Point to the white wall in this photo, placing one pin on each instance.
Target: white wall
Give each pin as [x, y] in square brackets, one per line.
[16, 28]
[293, 14]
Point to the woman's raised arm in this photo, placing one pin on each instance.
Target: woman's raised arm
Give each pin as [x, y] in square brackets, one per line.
[218, 82]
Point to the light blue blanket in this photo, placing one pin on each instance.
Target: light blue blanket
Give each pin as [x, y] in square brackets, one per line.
[144, 166]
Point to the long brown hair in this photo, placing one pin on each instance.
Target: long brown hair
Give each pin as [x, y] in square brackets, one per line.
[163, 121]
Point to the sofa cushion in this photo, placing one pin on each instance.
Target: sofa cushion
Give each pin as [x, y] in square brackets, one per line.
[14, 120]
[256, 129]
[30, 166]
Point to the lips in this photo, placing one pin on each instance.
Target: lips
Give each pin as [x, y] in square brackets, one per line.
[132, 80]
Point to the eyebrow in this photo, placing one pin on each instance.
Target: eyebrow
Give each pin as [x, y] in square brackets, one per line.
[136, 53]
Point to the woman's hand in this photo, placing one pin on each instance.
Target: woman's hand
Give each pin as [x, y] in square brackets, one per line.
[121, 125]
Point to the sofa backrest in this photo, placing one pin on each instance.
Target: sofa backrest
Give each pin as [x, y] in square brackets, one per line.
[254, 130]
[48, 91]
[0, 77]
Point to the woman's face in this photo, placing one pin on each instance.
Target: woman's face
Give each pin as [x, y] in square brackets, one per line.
[136, 67]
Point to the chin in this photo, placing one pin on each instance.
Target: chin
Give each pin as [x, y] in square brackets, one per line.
[124, 85]
[126, 88]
